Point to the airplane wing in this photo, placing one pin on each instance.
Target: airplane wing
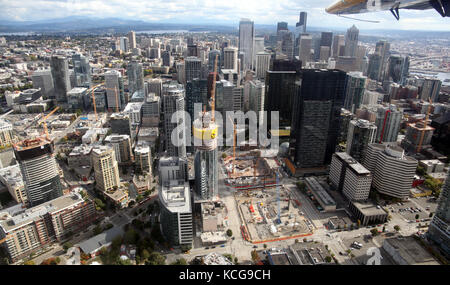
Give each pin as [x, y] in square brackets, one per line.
[346, 7]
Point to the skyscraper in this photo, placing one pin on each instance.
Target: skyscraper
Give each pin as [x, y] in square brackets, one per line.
[302, 22]
[106, 169]
[166, 58]
[430, 89]
[206, 157]
[61, 80]
[82, 70]
[388, 120]
[326, 39]
[246, 39]
[361, 133]
[439, 229]
[132, 39]
[398, 69]
[173, 101]
[305, 46]
[287, 44]
[230, 58]
[338, 45]
[193, 68]
[196, 92]
[212, 57]
[262, 64]
[258, 46]
[114, 90]
[316, 117]
[43, 79]
[393, 172]
[135, 75]
[124, 44]
[351, 41]
[354, 93]
[375, 67]
[382, 49]
[39, 170]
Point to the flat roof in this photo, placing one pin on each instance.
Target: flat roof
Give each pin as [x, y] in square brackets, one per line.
[320, 191]
[368, 208]
[411, 251]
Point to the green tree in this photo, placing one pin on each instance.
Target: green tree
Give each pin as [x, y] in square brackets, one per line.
[431, 215]
[417, 216]
[229, 233]
[67, 245]
[180, 261]
[328, 259]
[397, 228]
[265, 246]
[374, 232]
[29, 262]
[97, 230]
[155, 259]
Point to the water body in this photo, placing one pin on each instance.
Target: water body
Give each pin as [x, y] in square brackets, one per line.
[442, 76]
[163, 32]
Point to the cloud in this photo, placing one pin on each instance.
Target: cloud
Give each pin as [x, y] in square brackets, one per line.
[215, 11]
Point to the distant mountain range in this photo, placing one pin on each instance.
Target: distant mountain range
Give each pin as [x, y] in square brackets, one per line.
[87, 25]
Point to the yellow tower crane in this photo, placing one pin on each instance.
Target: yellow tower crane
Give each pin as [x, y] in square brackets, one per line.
[44, 122]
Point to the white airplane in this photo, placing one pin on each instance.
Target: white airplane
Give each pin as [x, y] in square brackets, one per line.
[348, 7]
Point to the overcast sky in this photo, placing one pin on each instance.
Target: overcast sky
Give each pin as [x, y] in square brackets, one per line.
[215, 11]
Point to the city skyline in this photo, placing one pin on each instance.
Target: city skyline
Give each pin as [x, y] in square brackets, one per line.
[204, 11]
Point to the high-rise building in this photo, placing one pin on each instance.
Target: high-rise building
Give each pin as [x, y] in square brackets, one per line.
[316, 116]
[60, 74]
[143, 158]
[256, 91]
[262, 64]
[132, 39]
[230, 58]
[173, 102]
[124, 44]
[82, 71]
[43, 79]
[388, 121]
[326, 41]
[305, 46]
[122, 147]
[154, 86]
[258, 46]
[281, 26]
[382, 49]
[375, 67]
[301, 24]
[351, 41]
[279, 95]
[193, 68]
[135, 75]
[6, 134]
[196, 92]
[430, 89]
[287, 44]
[114, 90]
[151, 111]
[356, 86]
[398, 69]
[121, 124]
[211, 59]
[246, 39]
[206, 157]
[338, 45]
[39, 170]
[166, 58]
[418, 134]
[350, 177]
[361, 133]
[106, 169]
[393, 172]
[439, 229]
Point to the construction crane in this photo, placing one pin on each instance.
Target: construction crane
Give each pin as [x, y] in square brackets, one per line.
[234, 146]
[44, 122]
[425, 124]
[278, 202]
[93, 99]
[213, 91]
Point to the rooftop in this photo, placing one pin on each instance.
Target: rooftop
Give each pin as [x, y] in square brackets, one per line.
[368, 208]
[411, 251]
[320, 191]
[103, 239]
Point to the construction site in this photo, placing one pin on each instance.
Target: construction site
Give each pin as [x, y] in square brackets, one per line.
[271, 214]
[250, 170]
